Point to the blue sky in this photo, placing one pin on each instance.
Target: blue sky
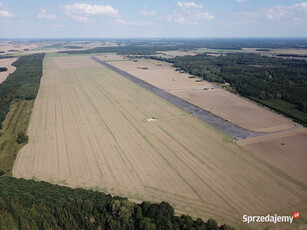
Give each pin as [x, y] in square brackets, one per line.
[159, 18]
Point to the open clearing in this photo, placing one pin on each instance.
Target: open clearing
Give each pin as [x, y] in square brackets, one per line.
[286, 150]
[7, 62]
[229, 106]
[89, 129]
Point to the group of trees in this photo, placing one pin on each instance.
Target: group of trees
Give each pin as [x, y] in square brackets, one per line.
[23, 83]
[28, 204]
[264, 79]
[3, 69]
[292, 55]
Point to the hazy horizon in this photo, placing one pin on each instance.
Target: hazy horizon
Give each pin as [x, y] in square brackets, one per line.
[115, 19]
[148, 38]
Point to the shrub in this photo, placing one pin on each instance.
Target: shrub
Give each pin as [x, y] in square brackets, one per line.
[22, 138]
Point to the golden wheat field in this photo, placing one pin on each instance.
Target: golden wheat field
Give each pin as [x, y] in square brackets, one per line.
[92, 128]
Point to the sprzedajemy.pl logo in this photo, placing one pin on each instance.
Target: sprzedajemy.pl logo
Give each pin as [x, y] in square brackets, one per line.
[271, 218]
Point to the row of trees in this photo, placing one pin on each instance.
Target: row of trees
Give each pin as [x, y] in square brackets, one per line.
[27, 204]
[23, 83]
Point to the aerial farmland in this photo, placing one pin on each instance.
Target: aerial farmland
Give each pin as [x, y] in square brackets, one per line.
[153, 115]
[92, 128]
[229, 106]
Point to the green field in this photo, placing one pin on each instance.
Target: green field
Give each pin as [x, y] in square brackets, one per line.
[17, 120]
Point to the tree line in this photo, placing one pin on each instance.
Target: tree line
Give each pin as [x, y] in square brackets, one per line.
[23, 83]
[28, 204]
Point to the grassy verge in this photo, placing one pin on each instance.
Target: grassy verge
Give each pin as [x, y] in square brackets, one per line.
[16, 122]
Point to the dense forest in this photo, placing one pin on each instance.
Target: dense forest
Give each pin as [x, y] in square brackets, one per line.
[28, 204]
[278, 83]
[23, 83]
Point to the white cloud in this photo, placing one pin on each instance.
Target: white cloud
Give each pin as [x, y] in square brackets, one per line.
[121, 21]
[148, 12]
[43, 15]
[176, 17]
[186, 5]
[188, 13]
[82, 11]
[80, 18]
[192, 16]
[292, 11]
[204, 15]
[58, 25]
[5, 14]
[188, 18]
[242, 0]
[285, 13]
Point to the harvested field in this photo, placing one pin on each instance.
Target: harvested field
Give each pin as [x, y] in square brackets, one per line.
[16, 48]
[273, 52]
[179, 53]
[286, 150]
[7, 62]
[227, 127]
[237, 110]
[89, 129]
[233, 108]
[110, 57]
[161, 75]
